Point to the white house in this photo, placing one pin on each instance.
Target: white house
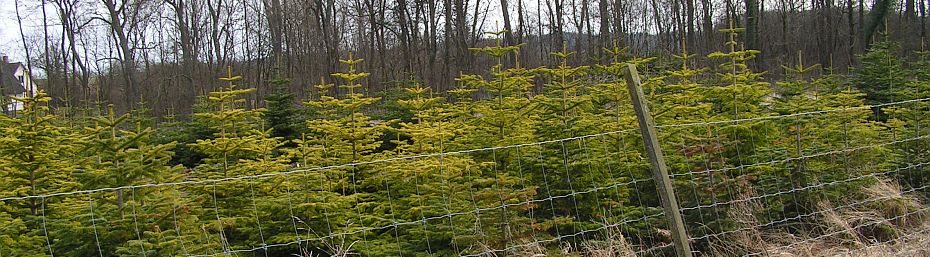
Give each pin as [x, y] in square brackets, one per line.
[15, 81]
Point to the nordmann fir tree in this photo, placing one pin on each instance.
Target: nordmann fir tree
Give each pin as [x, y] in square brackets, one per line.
[916, 117]
[35, 159]
[619, 151]
[503, 118]
[466, 181]
[451, 191]
[881, 75]
[425, 187]
[564, 105]
[273, 197]
[281, 115]
[349, 136]
[122, 156]
[846, 126]
[737, 93]
[612, 96]
[230, 219]
[270, 221]
[678, 100]
[320, 200]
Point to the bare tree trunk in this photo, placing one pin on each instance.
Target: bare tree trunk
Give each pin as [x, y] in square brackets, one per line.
[851, 38]
[604, 30]
[505, 11]
[117, 21]
[923, 25]
[520, 21]
[752, 24]
[461, 30]
[47, 59]
[188, 54]
[708, 25]
[405, 38]
[658, 20]
[689, 13]
[449, 55]
[275, 21]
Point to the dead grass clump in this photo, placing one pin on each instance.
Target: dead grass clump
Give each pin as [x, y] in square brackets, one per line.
[529, 248]
[895, 206]
[889, 224]
[613, 245]
[747, 238]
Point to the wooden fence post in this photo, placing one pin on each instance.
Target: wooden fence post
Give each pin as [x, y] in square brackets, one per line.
[647, 128]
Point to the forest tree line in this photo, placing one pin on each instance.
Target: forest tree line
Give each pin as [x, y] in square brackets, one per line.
[167, 52]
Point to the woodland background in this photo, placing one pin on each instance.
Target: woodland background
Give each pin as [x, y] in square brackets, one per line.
[167, 52]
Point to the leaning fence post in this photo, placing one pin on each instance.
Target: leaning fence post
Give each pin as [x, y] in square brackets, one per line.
[647, 127]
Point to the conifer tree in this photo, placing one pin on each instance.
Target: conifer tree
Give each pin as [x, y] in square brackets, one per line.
[915, 120]
[619, 150]
[36, 158]
[881, 76]
[281, 115]
[806, 135]
[563, 113]
[232, 125]
[679, 100]
[129, 221]
[238, 148]
[735, 93]
[344, 134]
[503, 118]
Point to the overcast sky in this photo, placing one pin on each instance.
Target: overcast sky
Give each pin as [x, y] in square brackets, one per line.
[10, 41]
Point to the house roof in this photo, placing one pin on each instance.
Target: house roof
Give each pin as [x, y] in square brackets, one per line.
[9, 83]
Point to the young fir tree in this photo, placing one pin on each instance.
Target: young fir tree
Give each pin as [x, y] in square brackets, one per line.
[503, 118]
[916, 119]
[131, 221]
[811, 135]
[269, 203]
[619, 150]
[233, 126]
[737, 93]
[281, 116]
[122, 157]
[173, 128]
[881, 75]
[343, 134]
[36, 158]
[237, 149]
[323, 196]
[564, 107]
[461, 184]
[679, 100]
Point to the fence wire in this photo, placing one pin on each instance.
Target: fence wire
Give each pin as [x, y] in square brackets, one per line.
[586, 193]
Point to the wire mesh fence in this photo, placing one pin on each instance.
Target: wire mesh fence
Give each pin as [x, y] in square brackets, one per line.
[746, 186]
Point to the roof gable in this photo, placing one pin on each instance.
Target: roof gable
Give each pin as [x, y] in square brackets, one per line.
[9, 84]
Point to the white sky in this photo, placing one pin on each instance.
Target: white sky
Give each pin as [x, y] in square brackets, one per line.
[11, 42]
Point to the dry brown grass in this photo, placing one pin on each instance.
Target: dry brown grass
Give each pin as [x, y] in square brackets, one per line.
[614, 245]
[893, 226]
[750, 239]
